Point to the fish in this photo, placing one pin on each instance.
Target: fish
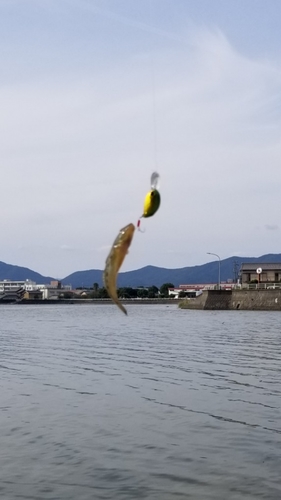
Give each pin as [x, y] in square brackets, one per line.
[151, 203]
[115, 260]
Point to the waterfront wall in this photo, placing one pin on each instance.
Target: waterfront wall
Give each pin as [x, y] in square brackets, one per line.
[257, 300]
[251, 300]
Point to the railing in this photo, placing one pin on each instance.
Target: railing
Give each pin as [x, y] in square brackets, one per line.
[262, 286]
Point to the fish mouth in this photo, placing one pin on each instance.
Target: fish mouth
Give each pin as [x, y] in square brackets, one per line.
[128, 232]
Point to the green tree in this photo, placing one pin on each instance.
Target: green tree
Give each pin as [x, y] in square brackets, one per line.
[153, 291]
[127, 292]
[142, 293]
[96, 291]
[121, 292]
[164, 289]
[103, 293]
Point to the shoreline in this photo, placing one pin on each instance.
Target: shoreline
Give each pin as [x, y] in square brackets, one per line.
[235, 300]
[94, 301]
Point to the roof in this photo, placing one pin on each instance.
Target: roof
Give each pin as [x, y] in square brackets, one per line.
[253, 266]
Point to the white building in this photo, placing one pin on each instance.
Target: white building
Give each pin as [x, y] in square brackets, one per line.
[49, 291]
[11, 286]
[53, 292]
[192, 291]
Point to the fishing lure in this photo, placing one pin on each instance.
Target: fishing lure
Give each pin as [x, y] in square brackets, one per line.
[152, 199]
[115, 260]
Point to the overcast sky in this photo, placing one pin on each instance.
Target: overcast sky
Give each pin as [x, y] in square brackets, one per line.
[97, 94]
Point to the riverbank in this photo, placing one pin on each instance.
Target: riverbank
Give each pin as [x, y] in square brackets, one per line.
[97, 301]
[247, 300]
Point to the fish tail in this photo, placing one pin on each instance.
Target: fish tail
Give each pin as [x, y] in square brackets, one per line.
[113, 294]
[123, 309]
[119, 304]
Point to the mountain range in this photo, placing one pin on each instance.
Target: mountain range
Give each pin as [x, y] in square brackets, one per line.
[146, 276]
[18, 273]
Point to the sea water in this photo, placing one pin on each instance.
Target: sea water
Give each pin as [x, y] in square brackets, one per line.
[163, 404]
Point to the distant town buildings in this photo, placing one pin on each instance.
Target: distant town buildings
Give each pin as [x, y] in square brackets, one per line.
[251, 275]
[17, 290]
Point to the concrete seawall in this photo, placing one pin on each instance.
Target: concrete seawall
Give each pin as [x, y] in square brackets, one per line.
[251, 300]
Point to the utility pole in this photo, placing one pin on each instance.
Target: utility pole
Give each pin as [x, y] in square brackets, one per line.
[211, 253]
[235, 271]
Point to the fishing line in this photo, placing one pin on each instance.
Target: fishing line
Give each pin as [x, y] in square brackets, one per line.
[154, 180]
[153, 92]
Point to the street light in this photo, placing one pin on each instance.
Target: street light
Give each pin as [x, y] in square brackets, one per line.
[216, 255]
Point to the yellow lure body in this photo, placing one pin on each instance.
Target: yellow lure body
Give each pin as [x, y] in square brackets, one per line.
[151, 203]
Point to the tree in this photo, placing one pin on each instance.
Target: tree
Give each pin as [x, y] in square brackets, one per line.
[127, 292]
[96, 291]
[152, 291]
[164, 289]
[121, 292]
[132, 292]
[182, 294]
[142, 293]
[103, 293]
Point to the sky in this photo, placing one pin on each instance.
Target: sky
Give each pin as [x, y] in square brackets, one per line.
[95, 95]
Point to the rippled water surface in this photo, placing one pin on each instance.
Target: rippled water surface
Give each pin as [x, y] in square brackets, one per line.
[162, 404]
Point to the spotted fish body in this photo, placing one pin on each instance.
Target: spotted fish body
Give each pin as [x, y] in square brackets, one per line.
[115, 260]
[151, 203]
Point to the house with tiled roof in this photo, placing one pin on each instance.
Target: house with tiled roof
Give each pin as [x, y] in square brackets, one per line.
[260, 272]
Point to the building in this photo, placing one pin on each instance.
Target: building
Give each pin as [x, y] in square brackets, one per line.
[33, 295]
[192, 291]
[10, 296]
[260, 272]
[33, 290]
[53, 290]
[11, 286]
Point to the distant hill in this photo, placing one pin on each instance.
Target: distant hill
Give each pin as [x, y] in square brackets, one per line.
[151, 275]
[84, 278]
[17, 273]
[146, 276]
